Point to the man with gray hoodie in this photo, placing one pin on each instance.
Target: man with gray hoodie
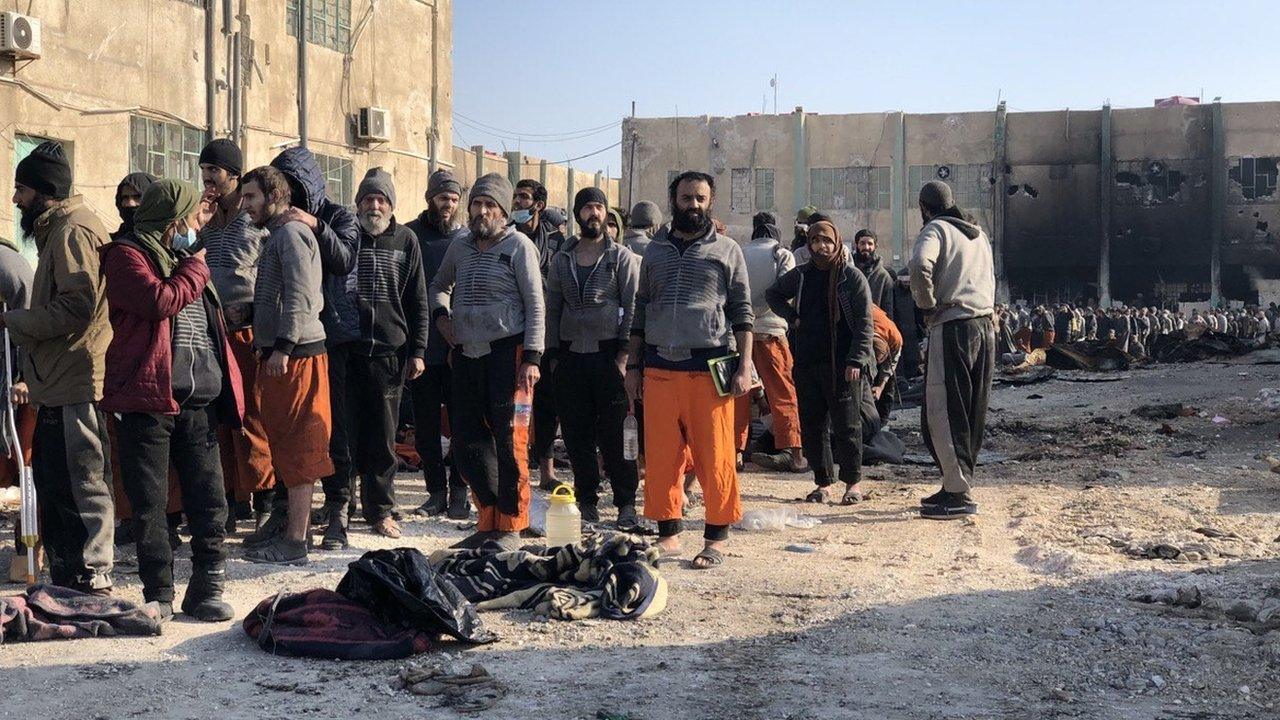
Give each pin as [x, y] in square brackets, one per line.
[487, 301]
[953, 283]
[645, 219]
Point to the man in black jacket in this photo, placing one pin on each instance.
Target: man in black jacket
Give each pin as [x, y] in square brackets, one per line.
[390, 298]
[528, 205]
[437, 227]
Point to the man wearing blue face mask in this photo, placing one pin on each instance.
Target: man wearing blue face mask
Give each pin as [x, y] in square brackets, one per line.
[528, 214]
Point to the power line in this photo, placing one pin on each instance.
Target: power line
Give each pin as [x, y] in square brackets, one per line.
[597, 152]
[522, 139]
[520, 135]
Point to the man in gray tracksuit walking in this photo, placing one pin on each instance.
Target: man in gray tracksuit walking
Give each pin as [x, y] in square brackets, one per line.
[953, 282]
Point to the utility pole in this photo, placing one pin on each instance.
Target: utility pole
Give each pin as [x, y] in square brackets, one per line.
[302, 71]
[773, 83]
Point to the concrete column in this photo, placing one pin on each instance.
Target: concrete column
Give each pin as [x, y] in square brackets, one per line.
[1217, 202]
[899, 196]
[1000, 204]
[1106, 178]
[514, 166]
[800, 195]
[479, 153]
[542, 172]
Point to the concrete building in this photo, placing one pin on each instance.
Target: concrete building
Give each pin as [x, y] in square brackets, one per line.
[131, 85]
[1176, 203]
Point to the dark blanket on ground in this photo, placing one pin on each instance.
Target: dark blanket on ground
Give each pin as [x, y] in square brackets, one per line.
[323, 624]
[402, 588]
[1087, 355]
[51, 612]
[611, 575]
[1178, 347]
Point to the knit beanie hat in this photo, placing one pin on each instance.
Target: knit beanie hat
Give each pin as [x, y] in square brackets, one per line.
[554, 216]
[442, 181]
[803, 215]
[495, 187]
[225, 154]
[377, 181]
[46, 171]
[936, 196]
[588, 195]
[646, 215]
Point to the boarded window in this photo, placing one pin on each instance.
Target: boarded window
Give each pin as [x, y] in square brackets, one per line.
[849, 188]
[740, 190]
[764, 189]
[970, 184]
[1254, 178]
[165, 149]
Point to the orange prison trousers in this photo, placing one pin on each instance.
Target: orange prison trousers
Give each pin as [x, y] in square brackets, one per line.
[296, 415]
[682, 411]
[772, 358]
[245, 453]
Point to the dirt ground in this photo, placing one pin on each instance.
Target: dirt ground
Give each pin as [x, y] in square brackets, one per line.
[1027, 611]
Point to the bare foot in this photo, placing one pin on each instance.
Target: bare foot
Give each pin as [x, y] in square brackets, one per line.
[669, 545]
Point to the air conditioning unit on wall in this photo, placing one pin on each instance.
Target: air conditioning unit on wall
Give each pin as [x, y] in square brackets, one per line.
[19, 36]
[373, 124]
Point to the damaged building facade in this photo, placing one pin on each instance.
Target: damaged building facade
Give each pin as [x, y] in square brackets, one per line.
[1160, 204]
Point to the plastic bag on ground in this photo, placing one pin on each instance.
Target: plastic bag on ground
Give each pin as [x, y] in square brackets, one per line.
[775, 519]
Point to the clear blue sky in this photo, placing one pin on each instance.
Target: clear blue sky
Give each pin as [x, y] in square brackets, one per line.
[549, 68]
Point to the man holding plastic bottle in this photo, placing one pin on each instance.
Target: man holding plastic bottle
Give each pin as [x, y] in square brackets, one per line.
[487, 302]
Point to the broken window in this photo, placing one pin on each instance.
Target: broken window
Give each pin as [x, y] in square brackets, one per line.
[1150, 182]
[1255, 177]
[970, 184]
[740, 191]
[849, 188]
[764, 189]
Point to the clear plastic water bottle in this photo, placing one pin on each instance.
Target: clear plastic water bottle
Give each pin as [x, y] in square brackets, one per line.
[524, 408]
[630, 437]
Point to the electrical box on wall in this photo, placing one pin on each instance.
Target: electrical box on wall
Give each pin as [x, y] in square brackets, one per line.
[19, 36]
[373, 124]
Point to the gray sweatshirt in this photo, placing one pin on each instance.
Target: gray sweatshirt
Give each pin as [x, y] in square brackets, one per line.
[233, 259]
[637, 241]
[491, 294]
[952, 271]
[582, 313]
[692, 300]
[286, 296]
[766, 261]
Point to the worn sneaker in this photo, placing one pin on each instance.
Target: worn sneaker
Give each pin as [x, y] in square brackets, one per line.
[459, 504]
[436, 504]
[627, 518]
[270, 529]
[335, 533]
[952, 507]
[279, 551]
[935, 499]
[590, 513]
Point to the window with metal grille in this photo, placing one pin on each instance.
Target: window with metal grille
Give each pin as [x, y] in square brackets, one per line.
[764, 189]
[328, 24]
[849, 188]
[1254, 179]
[970, 184]
[337, 178]
[165, 149]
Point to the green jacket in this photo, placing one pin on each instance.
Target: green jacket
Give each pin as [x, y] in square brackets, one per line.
[65, 331]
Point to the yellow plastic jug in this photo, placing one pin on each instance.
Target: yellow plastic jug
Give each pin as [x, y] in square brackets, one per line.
[564, 521]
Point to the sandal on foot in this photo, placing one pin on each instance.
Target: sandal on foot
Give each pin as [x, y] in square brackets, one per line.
[820, 496]
[853, 497]
[709, 558]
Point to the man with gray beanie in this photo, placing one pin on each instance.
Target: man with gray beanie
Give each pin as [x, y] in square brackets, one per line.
[64, 335]
[437, 228]
[953, 282]
[644, 222]
[487, 301]
[390, 296]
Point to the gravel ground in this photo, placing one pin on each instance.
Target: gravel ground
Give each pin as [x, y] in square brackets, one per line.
[1120, 568]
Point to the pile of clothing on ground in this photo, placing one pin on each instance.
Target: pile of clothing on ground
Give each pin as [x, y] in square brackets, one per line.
[51, 612]
[397, 603]
[1181, 347]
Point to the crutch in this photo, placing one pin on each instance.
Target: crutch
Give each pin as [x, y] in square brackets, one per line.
[27, 516]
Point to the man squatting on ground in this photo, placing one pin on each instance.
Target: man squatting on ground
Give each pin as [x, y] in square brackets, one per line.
[591, 294]
[487, 300]
[693, 305]
[953, 282]
[293, 376]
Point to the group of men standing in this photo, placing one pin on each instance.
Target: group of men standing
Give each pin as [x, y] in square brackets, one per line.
[255, 339]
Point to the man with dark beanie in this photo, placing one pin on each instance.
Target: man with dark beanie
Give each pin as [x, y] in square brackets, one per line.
[437, 228]
[232, 244]
[953, 282]
[693, 306]
[64, 336]
[828, 304]
[644, 222]
[591, 294]
[528, 211]
[128, 197]
[487, 301]
[391, 298]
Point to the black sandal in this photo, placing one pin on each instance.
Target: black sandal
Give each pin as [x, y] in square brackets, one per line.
[710, 558]
[820, 496]
[853, 497]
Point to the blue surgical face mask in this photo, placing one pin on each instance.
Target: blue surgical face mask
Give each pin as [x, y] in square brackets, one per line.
[520, 217]
[184, 241]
